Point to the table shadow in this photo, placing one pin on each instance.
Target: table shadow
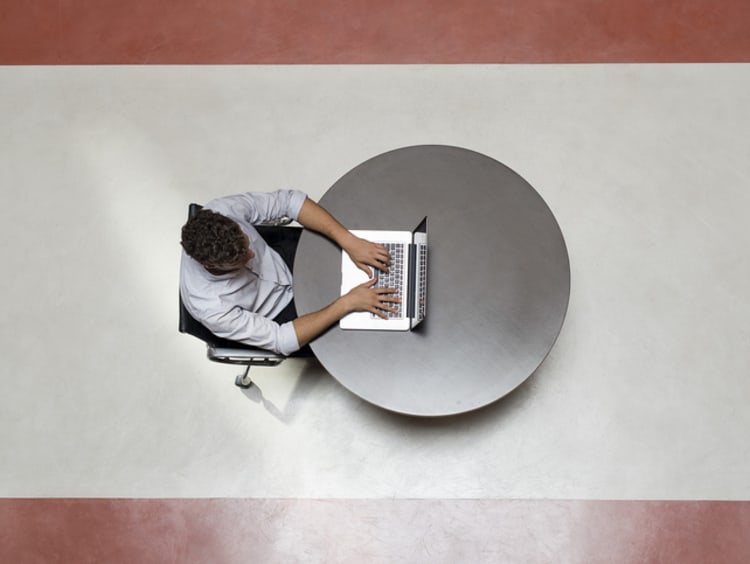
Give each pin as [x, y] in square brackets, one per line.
[492, 414]
[313, 372]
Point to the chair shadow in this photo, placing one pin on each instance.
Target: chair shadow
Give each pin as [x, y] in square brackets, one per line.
[311, 374]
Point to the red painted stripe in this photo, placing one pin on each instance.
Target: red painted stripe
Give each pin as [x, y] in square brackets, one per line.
[369, 31]
[256, 530]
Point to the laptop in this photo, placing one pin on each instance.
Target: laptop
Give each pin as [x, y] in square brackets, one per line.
[408, 273]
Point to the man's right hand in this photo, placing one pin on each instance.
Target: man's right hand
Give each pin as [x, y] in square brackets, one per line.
[360, 298]
[366, 298]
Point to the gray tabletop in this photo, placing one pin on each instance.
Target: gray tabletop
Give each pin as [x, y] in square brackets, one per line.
[498, 281]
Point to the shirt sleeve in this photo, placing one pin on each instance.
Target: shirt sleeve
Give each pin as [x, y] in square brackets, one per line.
[259, 207]
[253, 329]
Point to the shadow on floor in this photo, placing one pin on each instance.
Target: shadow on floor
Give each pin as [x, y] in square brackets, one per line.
[311, 374]
[490, 415]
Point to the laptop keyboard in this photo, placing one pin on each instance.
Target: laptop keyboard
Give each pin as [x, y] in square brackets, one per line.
[394, 278]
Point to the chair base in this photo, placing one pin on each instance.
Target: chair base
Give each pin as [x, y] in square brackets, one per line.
[243, 380]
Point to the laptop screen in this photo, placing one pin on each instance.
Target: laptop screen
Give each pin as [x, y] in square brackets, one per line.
[418, 274]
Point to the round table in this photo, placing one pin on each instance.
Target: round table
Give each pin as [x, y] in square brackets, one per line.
[498, 281]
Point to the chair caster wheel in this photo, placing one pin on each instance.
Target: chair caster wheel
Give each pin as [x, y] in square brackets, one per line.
[243, 381]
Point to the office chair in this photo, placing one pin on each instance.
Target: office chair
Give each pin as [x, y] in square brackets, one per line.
[231, 352]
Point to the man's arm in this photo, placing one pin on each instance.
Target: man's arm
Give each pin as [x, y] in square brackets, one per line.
[363, 253]
[361, 298]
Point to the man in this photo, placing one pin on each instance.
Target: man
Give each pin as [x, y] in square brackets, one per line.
[241, 289]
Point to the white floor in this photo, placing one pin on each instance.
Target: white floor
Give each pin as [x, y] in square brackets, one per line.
[644, 396]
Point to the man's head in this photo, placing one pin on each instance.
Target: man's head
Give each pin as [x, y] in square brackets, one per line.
[216, 241]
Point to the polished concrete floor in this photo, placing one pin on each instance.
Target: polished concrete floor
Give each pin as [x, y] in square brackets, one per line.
[629, 444]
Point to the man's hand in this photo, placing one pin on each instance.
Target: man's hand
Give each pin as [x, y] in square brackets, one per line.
[360, 298]
[366, 254]
[363, 253]
[375, 300]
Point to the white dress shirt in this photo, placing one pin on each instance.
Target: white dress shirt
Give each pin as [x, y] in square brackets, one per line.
[241, 305]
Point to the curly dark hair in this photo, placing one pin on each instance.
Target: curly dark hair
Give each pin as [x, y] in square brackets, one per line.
[211, 238]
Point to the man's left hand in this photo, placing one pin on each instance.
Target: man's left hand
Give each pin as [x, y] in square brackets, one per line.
[366, 254]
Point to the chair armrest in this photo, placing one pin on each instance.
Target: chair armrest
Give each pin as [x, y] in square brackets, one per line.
[256, 357]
